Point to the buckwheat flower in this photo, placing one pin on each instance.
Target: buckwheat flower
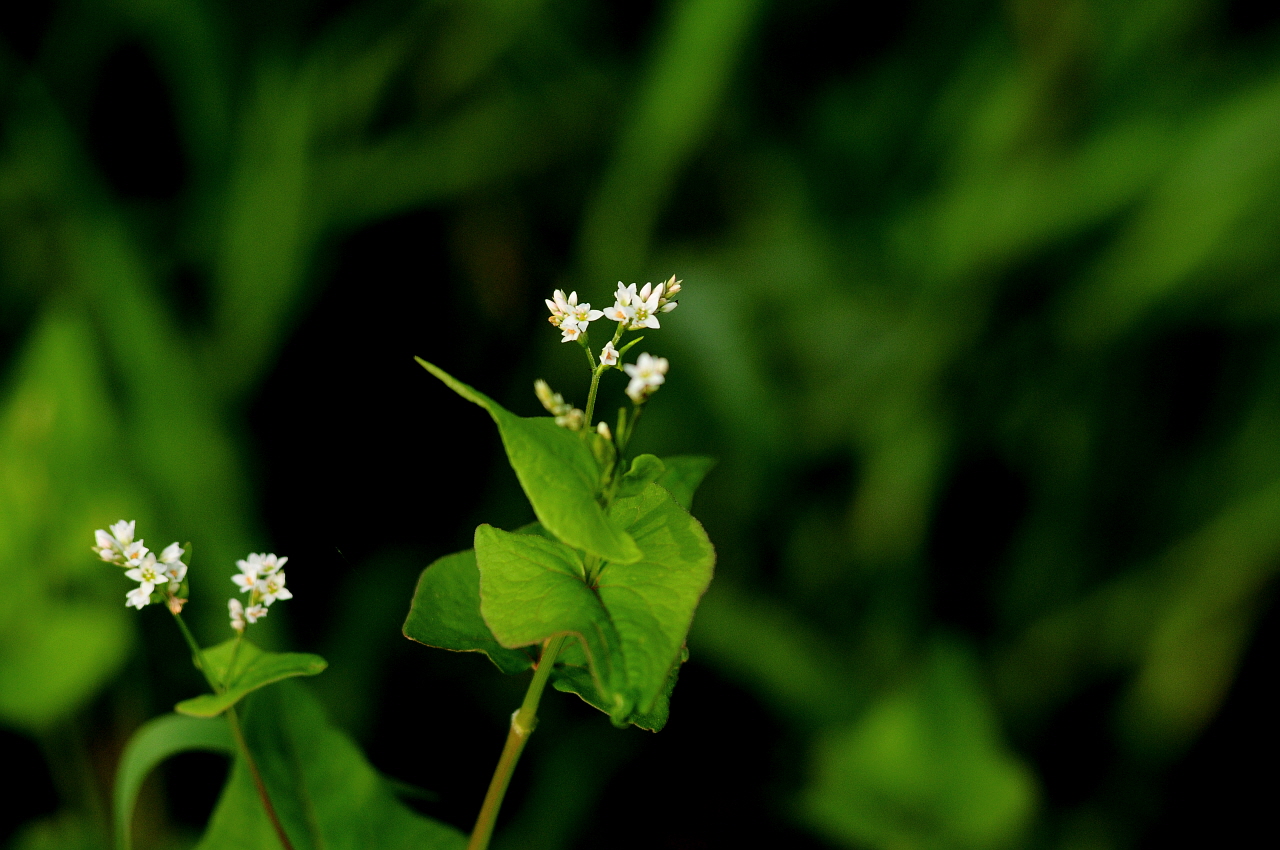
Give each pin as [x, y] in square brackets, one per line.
[647, 374]
[558, 305]
[569, 331]
[609, 354]
[139, 597]
[254, 613]
[272, 588]
[148, 574]
[171, 558]
[133, 554]
[602, 428]
[582, 315]
[236, 610]
[643, 310]
[270, 563]
[668, 290]
[571, 419]
[112, 546]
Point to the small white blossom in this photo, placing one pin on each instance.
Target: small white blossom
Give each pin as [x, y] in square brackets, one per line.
[643, 310]
[254, 613]
[148, 573]
[270, 563]
[236, 610]
[569, 332]
[272, 588]
[139, 596]
[558, 305]
[117, 545]
[647, 374]
[602, 428]
[609, 354]
[171, 557]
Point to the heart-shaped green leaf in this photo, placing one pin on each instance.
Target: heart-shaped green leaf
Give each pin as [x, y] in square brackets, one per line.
[559, 474]
[324, 792]
[244, 671]
[446, 613]
[632, 622]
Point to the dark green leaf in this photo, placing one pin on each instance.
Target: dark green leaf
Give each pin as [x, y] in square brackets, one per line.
[154, 742]
[559, 475]
[253, 669]
[325, 793]
[446, 613]
[683, 475]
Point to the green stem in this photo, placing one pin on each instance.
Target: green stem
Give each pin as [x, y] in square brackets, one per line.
[591, 395]
[522, 723]
[197, 654]
[261, 787]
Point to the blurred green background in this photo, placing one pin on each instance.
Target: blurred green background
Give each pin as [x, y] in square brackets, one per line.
[980, 318]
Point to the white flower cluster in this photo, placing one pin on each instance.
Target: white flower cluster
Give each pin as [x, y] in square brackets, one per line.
[166, 571]
[631, 308]
[262, 577]
[640, 309]
[569, 316]
[647, 374]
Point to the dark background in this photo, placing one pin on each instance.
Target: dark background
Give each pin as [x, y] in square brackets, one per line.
[980, 319]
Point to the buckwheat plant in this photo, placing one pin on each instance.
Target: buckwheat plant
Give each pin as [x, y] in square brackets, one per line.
[598, 595]
[233, 669]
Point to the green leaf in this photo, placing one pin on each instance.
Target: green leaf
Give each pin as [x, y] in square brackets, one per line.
[631, 624]
[576, 679]
[253, 669]
[324, 791]
[155, 741]
[683, 475]
[559, 475]
[924, 767]
[446, 613]
[532, 588]
[651, 602]
[644, 470]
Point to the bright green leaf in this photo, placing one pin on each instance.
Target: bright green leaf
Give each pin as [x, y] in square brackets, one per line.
[683, 475]
[576, 679]
[446, 613]
[532, 588]
[250, 669]
[155, 741]
[325, 793]
[644, 469]
[559, 475]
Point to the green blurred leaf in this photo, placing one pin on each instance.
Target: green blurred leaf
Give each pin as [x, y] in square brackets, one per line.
[64, 631]
[325, 793]
[253, 669]
[683, 475]
[644, 469]
[559, 474]
[924, 768]
[155, 741]
[446, 613]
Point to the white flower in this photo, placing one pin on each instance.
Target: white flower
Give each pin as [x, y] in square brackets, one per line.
[644, 308]
[148, 573]
[171, 557]
[569, 331]
[118, 545]
[647, 374]
[270, 563]
[139, 596]
[272, 588]
[609, 354]
[134, 554]
[236, 610]
[602, 428]
[582, 315]
[558, 307]
[254, 613]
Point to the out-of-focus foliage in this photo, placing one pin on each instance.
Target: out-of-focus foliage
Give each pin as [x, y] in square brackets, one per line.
[980, 318]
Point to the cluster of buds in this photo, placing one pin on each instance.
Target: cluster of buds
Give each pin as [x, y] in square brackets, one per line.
[159, 577]
[638, 310]
[569, 316]
[262, 577]
[567, 416]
